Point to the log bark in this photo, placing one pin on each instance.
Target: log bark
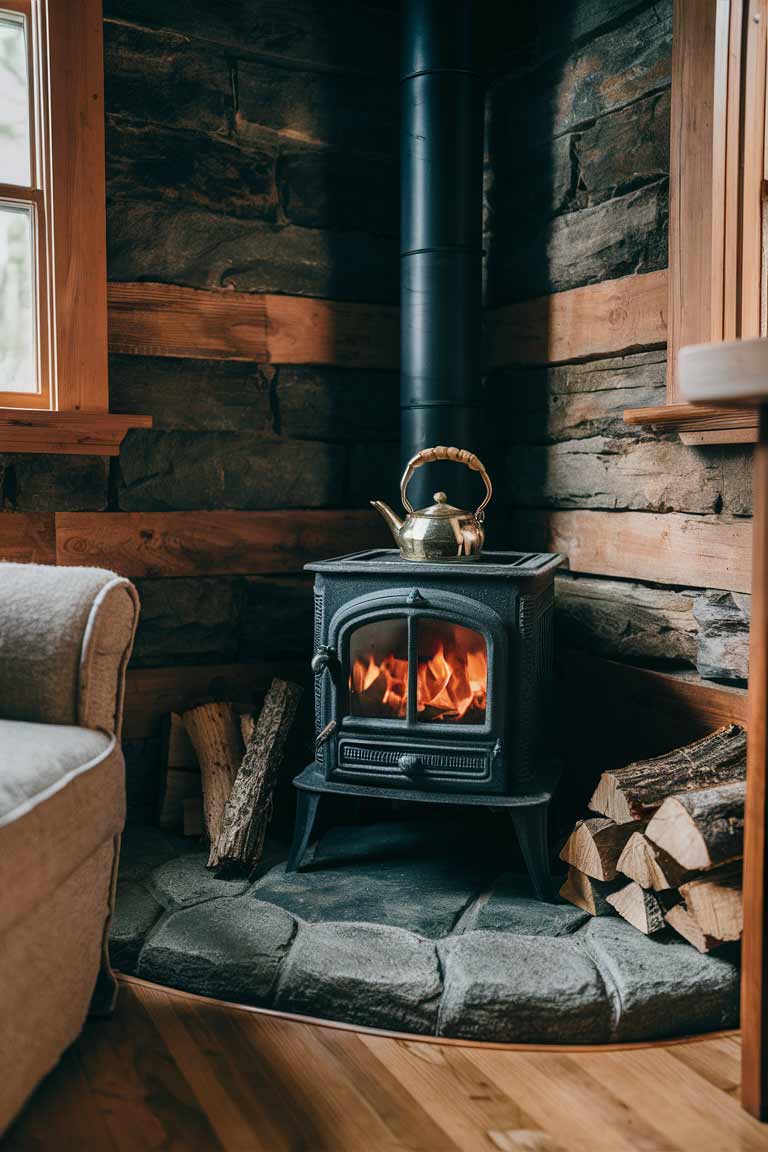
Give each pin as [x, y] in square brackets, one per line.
[701, 829]
[589, 894]
[249, 807]
[643, 909]
[679, 918]
[635, 792]
[595, 845]
[714, 902]
[215, 734]
[650, 866]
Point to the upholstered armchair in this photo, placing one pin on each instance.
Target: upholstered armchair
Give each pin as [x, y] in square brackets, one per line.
[65, 638]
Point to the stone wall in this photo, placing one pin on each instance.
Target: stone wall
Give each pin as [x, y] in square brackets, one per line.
[576, 193]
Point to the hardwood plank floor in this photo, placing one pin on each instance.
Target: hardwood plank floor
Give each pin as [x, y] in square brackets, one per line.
[176, 1073]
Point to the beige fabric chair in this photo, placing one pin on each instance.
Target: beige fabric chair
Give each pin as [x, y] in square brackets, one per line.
[65, 638]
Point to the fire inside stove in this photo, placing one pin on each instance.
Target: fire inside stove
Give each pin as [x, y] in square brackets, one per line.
[451, 672]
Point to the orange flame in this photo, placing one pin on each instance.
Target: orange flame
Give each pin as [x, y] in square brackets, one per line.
[451, 685]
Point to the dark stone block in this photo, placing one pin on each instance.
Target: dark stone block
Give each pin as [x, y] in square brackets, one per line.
[193, 168]
[187, 470]
[55, 483]
[662, 986]
[201, 249]
[190, 621]
[166, 80]
[193, 395]
[624, 150]
[338, 404]
[302, 32]
[423, 896]
[723, 640]
[374, 474]
[186, 881]
[368, 974]
[230, 949]
[277, 619]
[522, 989]
[321, 189]
[318, 107]
[136, 910]
[511, 907]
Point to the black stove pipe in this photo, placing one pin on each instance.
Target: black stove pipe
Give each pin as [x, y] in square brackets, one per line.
[441, 242]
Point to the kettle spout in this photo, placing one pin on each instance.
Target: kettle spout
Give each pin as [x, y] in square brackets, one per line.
[394, 521]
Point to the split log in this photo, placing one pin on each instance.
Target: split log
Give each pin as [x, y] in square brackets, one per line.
[679, 918]
[181, 774]
[249, 807]
[595, 845]
[701, 829]
[643, 909]
[215, 735]
[247, 727]
[589, 894]
[649, 865]
[715, 903]
[635, 792]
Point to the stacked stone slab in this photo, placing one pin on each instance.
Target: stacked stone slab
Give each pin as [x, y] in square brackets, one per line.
[666, 849]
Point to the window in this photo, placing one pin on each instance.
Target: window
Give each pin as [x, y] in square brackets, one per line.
[54, 394]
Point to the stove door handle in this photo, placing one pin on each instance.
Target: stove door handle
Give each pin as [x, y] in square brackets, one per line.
[325, 659]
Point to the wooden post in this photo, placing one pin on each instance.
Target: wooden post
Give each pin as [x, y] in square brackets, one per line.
[754, 972]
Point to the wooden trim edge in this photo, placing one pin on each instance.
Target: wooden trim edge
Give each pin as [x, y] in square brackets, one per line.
[76, 433]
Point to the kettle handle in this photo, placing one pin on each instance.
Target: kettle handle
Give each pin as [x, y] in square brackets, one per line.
[461, 456]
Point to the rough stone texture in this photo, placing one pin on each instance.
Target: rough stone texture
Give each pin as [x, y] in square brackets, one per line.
[511, 907]
[337, 404]
[136, 910]
[192, 168]
[521, 989]
[662, 986]
[618, 618]
[54, 483]
[319, 188]
[624, 150]
[188, 620]
[187, 881]
[374, 474]
[172, 471]
[277, 618]
[426, 896]
[578, 401]
[385, 977]
[201, 249]
[647, 475]
[230, 949]
[193, 395]
[723, 649]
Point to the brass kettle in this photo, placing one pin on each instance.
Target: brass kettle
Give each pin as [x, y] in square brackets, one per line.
[441, 532]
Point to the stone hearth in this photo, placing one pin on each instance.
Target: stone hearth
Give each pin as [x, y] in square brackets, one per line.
[389, 927]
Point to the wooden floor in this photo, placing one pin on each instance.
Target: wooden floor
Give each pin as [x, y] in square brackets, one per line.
[176, 1073]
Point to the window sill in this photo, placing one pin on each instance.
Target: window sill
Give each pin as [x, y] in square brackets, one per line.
[699, 424]
[76, 433]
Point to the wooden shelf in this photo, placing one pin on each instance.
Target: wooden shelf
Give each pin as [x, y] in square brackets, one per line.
[76, 433]
[699, 424]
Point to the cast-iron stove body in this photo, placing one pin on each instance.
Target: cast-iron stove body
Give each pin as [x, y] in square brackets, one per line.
[433, 682]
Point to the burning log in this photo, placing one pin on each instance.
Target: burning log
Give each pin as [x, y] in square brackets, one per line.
[595, 845]
[635, 792]
[701, 829]
[215, 734]
[249, 806]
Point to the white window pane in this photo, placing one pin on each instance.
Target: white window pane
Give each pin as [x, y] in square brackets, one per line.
[18, 343]
[14, 102]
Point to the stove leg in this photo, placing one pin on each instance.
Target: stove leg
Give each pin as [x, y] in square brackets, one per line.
[306, 811]
[531, 828]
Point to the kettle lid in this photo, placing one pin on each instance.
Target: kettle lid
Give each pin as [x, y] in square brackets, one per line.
[441, 509]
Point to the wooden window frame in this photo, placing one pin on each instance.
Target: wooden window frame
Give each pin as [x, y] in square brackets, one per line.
[717, 251]
[66, 75]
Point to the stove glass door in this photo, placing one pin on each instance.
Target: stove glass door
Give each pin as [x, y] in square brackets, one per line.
[378, 657]
[451, 673]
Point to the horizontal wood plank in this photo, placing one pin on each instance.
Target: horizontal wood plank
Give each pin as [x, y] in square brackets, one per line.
[694, 418]
[72, 433]
[212, 543]
[664, 548]
[27, 538]
[615, 316]
[165, 320]
[152, 693]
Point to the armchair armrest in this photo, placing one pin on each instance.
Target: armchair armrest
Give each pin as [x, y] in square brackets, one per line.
[66, 635]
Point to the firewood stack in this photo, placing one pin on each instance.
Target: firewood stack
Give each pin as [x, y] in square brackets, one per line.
[665, 848]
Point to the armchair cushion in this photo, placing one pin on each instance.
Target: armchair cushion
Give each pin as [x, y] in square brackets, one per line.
[65, 638]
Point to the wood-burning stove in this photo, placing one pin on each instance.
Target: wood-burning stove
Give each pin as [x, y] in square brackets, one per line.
[433, 683]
